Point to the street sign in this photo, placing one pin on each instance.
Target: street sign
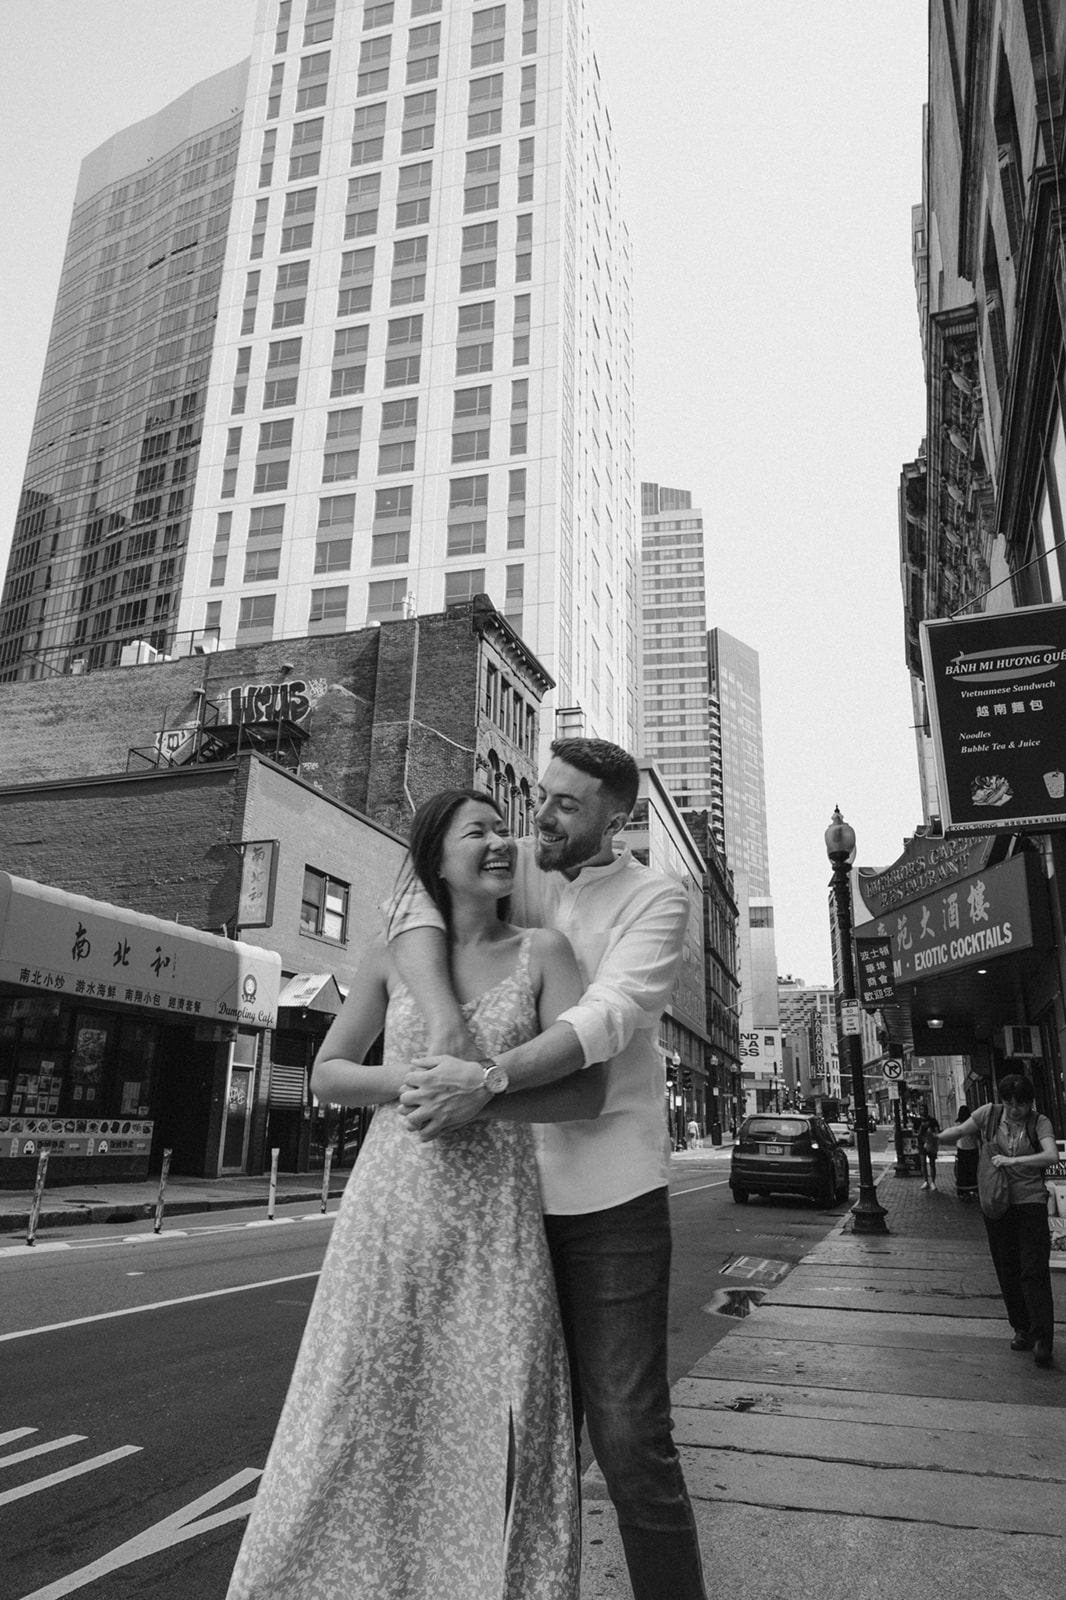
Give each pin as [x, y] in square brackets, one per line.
[892, 1070]
[850, 1016]
[875, 972]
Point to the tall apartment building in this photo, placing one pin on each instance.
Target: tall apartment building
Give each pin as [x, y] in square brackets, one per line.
[677, 733]
[419, 344]
[99, 544]
[738, 813]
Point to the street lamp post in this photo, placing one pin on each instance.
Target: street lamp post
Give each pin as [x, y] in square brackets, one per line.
[868, 1212]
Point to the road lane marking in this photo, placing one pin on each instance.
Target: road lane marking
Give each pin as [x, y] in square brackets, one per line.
[158, 1305]
[42, 1449]
[76, 1471]
[193, 1232]
[696, 1187]
[175, 1529]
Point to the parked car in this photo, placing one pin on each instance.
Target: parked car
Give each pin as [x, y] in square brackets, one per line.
[788, 1153]
[844, 1132]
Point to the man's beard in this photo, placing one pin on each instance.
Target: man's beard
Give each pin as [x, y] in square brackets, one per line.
[570, 853]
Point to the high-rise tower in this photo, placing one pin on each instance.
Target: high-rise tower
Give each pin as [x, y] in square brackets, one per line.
[677, 733]
[738, 811]
[420, 357]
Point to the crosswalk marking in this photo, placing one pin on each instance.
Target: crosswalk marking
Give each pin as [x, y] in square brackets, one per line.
[41, 1449]
[76, 1471]
[187, 1523]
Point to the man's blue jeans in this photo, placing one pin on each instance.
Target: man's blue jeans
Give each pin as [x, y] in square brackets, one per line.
[612, 1269]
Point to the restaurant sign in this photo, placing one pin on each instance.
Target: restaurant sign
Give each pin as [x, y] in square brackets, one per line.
[964, 925]
[66, 944]
[73, 1136]
[996, 687]
[875, 972]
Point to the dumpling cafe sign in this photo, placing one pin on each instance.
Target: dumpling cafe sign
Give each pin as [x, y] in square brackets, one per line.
[964, 925]
[997, 704]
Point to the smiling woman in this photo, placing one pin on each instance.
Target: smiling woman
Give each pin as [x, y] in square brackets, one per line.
[435, 1319]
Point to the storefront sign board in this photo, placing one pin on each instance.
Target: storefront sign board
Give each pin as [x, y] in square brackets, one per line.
[965, 925]
[875, 972]
[71, 945]
[70, 1136]
[996, 687]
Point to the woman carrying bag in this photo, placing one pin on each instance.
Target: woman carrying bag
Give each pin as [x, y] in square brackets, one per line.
[1017, 1143]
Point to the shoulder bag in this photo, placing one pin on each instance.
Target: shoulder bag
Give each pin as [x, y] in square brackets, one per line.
[993, 1190]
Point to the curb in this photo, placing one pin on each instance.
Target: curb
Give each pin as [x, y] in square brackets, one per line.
[12, 1222]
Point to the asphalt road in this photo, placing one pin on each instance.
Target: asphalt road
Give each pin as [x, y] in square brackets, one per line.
[141, 1378]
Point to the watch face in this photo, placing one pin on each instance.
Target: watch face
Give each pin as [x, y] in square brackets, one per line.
[495, 1079]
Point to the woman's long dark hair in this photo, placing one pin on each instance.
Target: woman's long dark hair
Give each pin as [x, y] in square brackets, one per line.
[425, 846]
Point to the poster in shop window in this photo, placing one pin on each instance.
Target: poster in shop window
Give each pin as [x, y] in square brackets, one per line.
[996, 687]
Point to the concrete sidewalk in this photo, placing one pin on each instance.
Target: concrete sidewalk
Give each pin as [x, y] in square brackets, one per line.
[866, 1431]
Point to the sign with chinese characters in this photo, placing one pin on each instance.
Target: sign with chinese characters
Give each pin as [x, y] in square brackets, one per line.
[259, 869]
[997, 705]
[963, 926]
[874, 961]
[68, 944]
[70, 1136]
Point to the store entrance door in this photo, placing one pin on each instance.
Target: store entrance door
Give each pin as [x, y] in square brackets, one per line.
[238, 1119]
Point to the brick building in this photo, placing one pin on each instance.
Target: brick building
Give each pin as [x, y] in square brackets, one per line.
[263, 792]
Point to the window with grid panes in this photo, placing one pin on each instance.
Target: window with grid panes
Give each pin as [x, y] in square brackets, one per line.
[324, 906]
[328, 606]
[481, 185]
[266, 157]
[281, 37]
[463, 585]
[514, 596]
[337, 511]
[338, 466]
[373, 74]
[300, 236]
[333, 536]
[408, 270]
[256, 612]
[485, 108]
[333, 555]
[368, 134]
[361, 211]
[487, 36]
[529, 27]
[419, 113]
[319, 32]
[474, 403]
[385, 599]
[422, 8]
[389, 549]
[396, 456]
[259, 228]
[378, 16]
[279, 392]
[277, 78]
[423, 53]
[348, 375]
[528, 98]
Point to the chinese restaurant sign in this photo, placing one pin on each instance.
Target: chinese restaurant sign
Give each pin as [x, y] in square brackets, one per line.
[70, 945]
[875, 972]
[966, 924]
[926, 864]
[997, 705]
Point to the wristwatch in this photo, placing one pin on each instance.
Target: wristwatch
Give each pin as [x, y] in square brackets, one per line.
[495, 1078]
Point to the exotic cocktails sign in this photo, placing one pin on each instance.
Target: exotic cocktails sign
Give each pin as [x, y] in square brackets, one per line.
[997, 704]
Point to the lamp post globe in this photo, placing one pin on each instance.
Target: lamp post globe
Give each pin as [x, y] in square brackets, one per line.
[868, 1214]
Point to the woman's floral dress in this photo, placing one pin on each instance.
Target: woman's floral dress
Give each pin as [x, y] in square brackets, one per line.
[425, 1450]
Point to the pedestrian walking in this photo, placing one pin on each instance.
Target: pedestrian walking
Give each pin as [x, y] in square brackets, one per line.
[693, 1132]
[966, 1152]
[425, 1448]
[603, 1182]
[1023, 1144]
[926, 1132]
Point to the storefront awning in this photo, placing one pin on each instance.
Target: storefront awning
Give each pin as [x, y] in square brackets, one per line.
[67, 944]
[312, 991]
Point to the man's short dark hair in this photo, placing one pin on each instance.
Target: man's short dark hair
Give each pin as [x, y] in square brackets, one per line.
[1016, 1086]
[614, 767]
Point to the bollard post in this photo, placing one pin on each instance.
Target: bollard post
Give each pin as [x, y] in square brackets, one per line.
[273, 1194]
[162, 1191]
[325, 1177]
[38, 1196]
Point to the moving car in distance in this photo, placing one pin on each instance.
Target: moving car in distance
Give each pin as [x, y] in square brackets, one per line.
[845, 1133]
[788, 1153]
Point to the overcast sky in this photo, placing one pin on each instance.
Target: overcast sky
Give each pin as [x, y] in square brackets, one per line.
[771, 153]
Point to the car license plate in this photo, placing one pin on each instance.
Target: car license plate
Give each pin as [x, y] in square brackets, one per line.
[774, 1149]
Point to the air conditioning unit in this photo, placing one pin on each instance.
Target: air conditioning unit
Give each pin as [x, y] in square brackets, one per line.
[1022, 1040]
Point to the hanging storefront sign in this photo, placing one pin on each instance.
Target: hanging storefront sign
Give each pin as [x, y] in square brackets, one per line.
[259, 871]
[968, 924]
[996, 687]
[926, 864]
[874, 961]
[70, 945]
